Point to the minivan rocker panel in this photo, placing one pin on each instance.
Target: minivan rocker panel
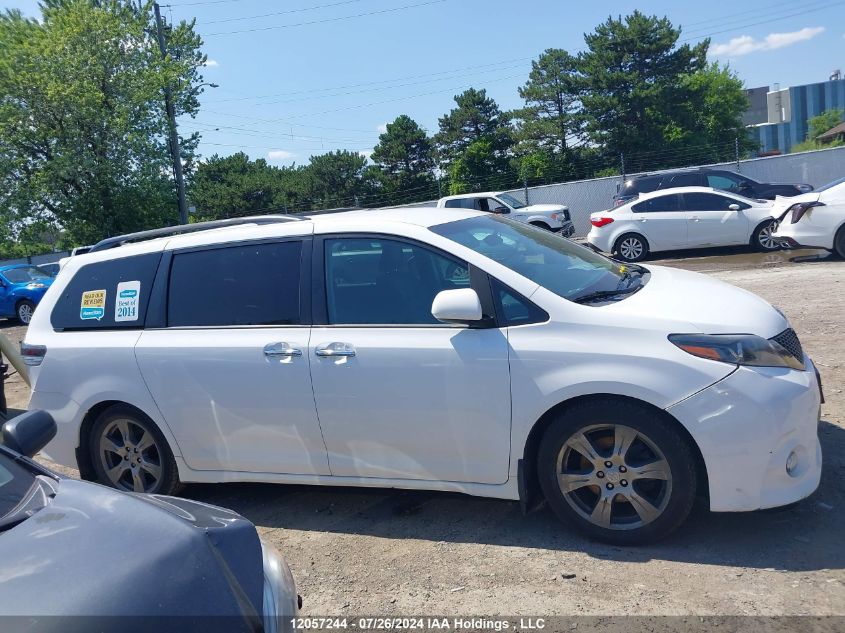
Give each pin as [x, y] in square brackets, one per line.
[476, 407]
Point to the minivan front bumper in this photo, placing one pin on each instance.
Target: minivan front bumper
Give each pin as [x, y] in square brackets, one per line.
[757, 430]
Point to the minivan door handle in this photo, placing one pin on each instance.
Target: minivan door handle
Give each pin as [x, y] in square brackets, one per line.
[335, 348]
[281, 349]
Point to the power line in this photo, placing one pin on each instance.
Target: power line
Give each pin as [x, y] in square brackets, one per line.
[372, 90]
[288, 11]
[493, 65]
[326, 20]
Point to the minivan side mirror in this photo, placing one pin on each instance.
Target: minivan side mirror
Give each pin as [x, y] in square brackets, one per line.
[461, 305]
[734, 207]
[29, 432]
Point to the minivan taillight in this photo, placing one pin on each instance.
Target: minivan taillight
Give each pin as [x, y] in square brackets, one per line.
[600, 222]
[33, 354]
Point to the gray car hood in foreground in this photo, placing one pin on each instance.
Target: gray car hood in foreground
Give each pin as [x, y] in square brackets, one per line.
[96, 559]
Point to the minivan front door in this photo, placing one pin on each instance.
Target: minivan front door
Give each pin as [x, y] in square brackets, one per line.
[229, 372]
[400, 395]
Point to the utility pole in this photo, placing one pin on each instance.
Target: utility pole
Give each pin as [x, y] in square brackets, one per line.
[736, 151]
[622, 164]
[174, 135]
[525, 187]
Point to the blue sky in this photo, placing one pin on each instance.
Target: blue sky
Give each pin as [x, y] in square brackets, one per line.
[307, 76]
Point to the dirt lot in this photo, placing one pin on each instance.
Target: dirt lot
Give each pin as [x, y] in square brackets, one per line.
[393, 552]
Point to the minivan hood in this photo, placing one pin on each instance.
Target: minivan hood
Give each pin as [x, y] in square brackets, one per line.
[707, 304]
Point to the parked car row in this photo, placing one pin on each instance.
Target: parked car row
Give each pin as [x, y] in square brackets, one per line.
[679, 217]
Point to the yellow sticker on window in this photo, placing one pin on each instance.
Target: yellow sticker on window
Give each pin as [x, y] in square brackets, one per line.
[93, 305]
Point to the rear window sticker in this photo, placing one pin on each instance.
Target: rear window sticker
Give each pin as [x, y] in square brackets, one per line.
[126, 302]
[93, 305]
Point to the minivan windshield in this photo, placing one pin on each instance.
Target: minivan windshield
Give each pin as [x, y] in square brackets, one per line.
[569, 270]
[508, 199]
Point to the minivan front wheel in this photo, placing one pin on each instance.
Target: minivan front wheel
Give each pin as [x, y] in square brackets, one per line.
[617, 471]
[130, 453]
[631, 248]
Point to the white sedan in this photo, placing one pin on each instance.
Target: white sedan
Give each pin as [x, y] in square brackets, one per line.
[815, 219]
[684, 217]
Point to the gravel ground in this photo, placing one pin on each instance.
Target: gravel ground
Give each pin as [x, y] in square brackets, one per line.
[378, 552]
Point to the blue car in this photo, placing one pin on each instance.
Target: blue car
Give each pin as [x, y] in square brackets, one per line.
[21, 288]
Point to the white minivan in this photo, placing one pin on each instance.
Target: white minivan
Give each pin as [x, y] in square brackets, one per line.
[433, 349]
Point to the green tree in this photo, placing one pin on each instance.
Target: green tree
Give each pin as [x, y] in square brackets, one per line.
[83, 132]
[820, 124]
[474, 142]
[339, 179]
[634, 101]
[234, 186]
[551, 120]
[710, 123]
[405, 162]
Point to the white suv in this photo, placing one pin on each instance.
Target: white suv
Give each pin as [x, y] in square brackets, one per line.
[552, 217]
[424, 348]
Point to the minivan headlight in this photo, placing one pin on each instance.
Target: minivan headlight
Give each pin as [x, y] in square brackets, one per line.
[737, 349]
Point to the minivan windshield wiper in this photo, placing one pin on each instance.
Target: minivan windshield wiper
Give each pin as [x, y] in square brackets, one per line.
[603, 295]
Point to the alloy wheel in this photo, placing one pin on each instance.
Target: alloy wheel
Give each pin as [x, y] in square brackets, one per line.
[25, 311]
[766, 238]
[631, 248]
[614, 476]
[130, 457]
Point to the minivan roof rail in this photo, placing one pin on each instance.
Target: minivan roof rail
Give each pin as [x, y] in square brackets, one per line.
[140, 236]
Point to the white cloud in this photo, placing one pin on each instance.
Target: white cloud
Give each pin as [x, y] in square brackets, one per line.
[382, 128]
[211, 63]
[745, 44]
[280, 154]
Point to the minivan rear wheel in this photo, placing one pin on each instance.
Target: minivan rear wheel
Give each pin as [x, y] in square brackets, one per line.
[617, 471]
[130, 453]
[631, 248]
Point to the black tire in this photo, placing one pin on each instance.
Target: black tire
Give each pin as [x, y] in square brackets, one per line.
[839, 242]
[24, 310]
[673, 497]
[159, 454]
[541, 225]
[626, 248]
[761, 237]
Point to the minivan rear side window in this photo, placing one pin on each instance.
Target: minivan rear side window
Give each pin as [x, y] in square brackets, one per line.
[255, 284]
[111, 294]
